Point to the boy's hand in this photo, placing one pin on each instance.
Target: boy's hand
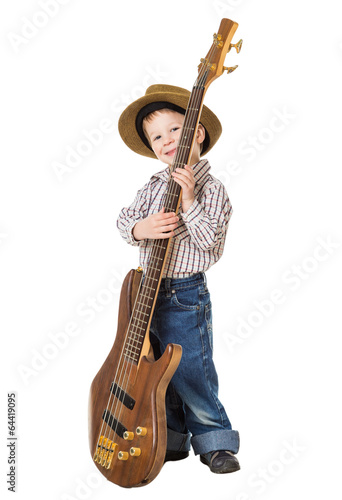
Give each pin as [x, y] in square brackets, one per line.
[156, 226]
[185, 178]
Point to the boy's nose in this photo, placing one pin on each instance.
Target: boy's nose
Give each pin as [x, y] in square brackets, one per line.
[168, 140]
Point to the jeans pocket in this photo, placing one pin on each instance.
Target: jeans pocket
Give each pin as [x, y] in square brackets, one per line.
[186, 299]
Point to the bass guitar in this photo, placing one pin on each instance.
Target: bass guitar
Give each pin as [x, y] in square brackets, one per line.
[127, 419]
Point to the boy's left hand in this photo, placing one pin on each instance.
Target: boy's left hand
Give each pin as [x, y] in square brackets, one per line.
[185, 178]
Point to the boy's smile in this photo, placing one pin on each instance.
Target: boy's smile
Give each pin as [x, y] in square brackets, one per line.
[163, 131]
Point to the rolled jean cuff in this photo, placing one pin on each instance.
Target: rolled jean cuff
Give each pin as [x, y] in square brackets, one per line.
[177, 441]
[223, 439]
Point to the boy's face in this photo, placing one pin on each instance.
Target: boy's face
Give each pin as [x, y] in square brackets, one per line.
[163, 132]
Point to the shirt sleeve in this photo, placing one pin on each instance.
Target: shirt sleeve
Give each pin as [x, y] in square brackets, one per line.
[207, 220]
[129, 216]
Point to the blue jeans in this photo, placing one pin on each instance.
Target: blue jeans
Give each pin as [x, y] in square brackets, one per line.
[195, 415]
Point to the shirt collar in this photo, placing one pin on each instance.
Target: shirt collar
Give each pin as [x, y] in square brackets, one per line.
[200, 168]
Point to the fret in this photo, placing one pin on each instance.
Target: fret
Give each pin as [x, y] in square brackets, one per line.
[155, 257]
[171, 194]
[137, 326]
[142, 312]
[130, 350]
[136, 347]
[131, 345]
[141, 321]
[140, 328]
[158, 245]
[151, 267]
[131, 357]
[147, 296]
[193, 109]
[146, 286]
[145, 305]
[187, 147]
[136, 334]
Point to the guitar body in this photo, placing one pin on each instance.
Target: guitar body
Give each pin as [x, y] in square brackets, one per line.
[143, 387]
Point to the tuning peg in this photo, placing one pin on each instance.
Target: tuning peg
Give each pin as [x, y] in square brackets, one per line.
[230, 70]
[237, 46]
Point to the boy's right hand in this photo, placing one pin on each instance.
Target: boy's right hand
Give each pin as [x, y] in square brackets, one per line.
[156, 226]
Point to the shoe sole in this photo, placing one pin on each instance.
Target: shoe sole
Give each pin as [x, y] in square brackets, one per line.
[221, 470]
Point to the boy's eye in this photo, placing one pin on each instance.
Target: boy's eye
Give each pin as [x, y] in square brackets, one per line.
[156, 137]
[174, 128]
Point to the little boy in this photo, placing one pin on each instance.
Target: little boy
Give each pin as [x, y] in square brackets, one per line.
[151, 126]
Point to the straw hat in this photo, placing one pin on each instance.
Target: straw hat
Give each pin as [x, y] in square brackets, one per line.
[157, 97]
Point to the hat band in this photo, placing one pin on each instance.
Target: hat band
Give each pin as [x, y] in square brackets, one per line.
[156, 106]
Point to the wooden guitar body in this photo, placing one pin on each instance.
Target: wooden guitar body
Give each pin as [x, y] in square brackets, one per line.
[130, 458]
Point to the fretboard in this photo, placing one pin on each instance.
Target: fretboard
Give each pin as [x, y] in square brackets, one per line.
[143, 309]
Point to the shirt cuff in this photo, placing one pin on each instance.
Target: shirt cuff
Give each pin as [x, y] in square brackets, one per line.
[193, 213]
[129, 233]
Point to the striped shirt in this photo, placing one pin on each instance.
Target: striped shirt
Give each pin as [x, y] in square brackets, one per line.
[201, 232]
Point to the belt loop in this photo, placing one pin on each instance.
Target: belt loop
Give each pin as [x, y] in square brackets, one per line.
[168, 287]
[204, 280]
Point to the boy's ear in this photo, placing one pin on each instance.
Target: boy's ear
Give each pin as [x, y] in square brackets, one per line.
[200, 134]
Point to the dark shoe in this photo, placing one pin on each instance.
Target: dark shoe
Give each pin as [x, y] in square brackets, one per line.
[173, 456]
[220, 461]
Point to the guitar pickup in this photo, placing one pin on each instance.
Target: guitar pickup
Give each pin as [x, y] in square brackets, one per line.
[127, 400]
[114, 424]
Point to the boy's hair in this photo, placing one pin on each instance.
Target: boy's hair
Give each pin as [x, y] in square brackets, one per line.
[148, 118]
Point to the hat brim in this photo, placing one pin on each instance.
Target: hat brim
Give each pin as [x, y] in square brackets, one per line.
[127, 121]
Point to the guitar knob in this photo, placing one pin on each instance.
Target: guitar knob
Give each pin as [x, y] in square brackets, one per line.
[231, 69]
[122, 455]
[236, 46]
[141, 431]
[135, 452]
[128, 436]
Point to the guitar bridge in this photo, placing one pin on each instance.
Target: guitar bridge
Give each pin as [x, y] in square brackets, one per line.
[105, 452]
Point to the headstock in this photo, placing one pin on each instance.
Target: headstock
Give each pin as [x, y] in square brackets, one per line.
[212, 64]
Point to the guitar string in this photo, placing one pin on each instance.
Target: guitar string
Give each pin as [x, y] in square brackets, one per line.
[134, 338]
[197, 101]
[203, 72]
[134, 335]
[180, 160]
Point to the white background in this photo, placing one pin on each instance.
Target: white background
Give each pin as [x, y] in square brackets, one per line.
[59, 246]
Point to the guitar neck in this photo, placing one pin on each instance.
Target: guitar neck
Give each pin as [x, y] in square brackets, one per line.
[143, 309]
